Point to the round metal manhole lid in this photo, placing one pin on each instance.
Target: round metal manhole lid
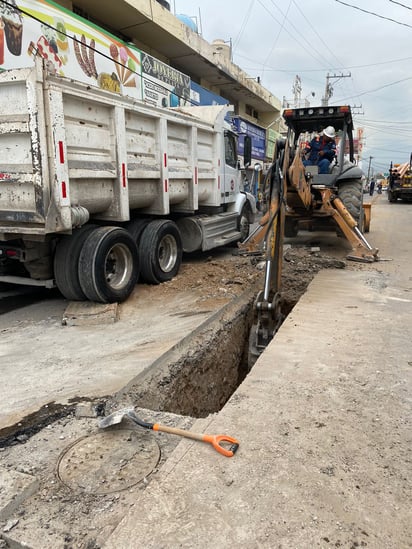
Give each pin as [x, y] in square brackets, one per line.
[109, 461]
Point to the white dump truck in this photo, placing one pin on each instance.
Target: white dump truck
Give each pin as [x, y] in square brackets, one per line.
[98, 190]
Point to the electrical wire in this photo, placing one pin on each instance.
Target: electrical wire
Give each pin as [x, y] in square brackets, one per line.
[276, 38]
[399, 4]
[243, 26]
[376, 89]
[373, 13]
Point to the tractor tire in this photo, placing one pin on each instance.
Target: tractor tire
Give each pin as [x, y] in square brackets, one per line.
[160, 251]
[66, 263]
[351, 194]
[108, 265]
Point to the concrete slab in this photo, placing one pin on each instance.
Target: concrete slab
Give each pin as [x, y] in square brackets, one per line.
[87, 361]
[15, 488]
[86, 313]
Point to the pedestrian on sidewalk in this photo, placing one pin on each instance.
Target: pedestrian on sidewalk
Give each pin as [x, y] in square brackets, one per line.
[371, 187]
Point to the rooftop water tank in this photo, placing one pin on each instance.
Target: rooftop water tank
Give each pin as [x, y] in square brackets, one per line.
[222, 48]
[186, 20]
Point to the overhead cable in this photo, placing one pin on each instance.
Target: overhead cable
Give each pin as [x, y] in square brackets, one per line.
[373, 13]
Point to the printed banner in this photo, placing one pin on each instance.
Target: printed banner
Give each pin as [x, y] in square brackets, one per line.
[162, 85]
[202, 96]
[72, 46]
[257, 134]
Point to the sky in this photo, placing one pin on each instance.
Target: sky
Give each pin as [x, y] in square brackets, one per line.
[367, 44]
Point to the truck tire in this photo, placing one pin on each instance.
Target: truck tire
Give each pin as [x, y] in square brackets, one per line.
[160, 251]
[66, 263]
[243, 222]
[351, 194]
[108, 265]
[136, 228]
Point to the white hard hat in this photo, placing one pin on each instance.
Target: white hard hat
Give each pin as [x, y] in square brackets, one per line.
[329, 132]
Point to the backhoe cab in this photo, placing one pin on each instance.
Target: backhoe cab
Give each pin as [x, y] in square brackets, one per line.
[315, 199]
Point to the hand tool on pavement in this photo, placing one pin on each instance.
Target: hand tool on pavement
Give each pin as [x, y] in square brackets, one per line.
[217, 441]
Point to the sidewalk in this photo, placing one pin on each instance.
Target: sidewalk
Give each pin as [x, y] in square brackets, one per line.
[322, 421]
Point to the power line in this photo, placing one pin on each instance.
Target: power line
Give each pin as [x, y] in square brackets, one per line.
[401, 59]
[321, 58]
[243, 26]
[399, 4]
[277, 37]
[377, 89]
[373, 13]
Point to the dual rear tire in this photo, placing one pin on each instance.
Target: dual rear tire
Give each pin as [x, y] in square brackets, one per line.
[103, 264]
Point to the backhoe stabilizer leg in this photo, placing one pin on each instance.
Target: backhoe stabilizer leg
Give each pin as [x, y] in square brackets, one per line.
[362, 251]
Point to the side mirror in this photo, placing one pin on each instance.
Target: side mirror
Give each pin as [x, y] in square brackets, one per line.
[247, 151]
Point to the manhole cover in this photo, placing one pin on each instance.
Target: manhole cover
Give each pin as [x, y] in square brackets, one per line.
[109, 461]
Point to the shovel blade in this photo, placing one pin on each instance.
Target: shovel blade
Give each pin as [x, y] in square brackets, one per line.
[115, 418]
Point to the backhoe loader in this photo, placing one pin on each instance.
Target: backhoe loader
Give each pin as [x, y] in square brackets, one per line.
[296, 194]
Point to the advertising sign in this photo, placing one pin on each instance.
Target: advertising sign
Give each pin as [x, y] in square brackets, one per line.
[255, 132]
[162, 85]
[202, 96]
[71, 46]
[271, 137]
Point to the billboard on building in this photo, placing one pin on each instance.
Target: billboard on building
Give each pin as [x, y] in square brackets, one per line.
[201, 96]
[257, 134]
[71, 46]
[162, 85]
[271, 137]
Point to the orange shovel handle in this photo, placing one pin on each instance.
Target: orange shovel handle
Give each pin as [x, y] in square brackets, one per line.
[217, 440]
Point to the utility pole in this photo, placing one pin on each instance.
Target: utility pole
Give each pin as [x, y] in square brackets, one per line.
[329, 88]
[297, 90]
[369, 167]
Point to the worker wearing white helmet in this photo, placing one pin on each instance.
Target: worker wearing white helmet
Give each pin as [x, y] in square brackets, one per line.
[321, 150]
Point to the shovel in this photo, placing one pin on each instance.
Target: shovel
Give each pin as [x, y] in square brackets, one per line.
[216, 441]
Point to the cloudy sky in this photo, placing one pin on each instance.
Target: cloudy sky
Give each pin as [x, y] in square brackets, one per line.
[370, 40]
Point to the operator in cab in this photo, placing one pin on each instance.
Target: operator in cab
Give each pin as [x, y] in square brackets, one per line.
[321, 150]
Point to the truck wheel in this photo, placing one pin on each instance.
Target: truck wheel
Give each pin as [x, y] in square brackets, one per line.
[351, 194]
[160, 251]
[291, 227]
[243, 222]
[136, 228]
[108, 265]
[66, 263]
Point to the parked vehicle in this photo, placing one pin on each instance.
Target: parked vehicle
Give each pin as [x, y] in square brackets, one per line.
[400, 182]
[98, 190]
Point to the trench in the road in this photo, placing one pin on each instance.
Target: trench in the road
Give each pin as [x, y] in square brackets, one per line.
[199, 376]
[195, 378]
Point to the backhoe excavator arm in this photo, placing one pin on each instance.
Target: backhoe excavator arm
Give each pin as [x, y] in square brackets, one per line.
[267, 308]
